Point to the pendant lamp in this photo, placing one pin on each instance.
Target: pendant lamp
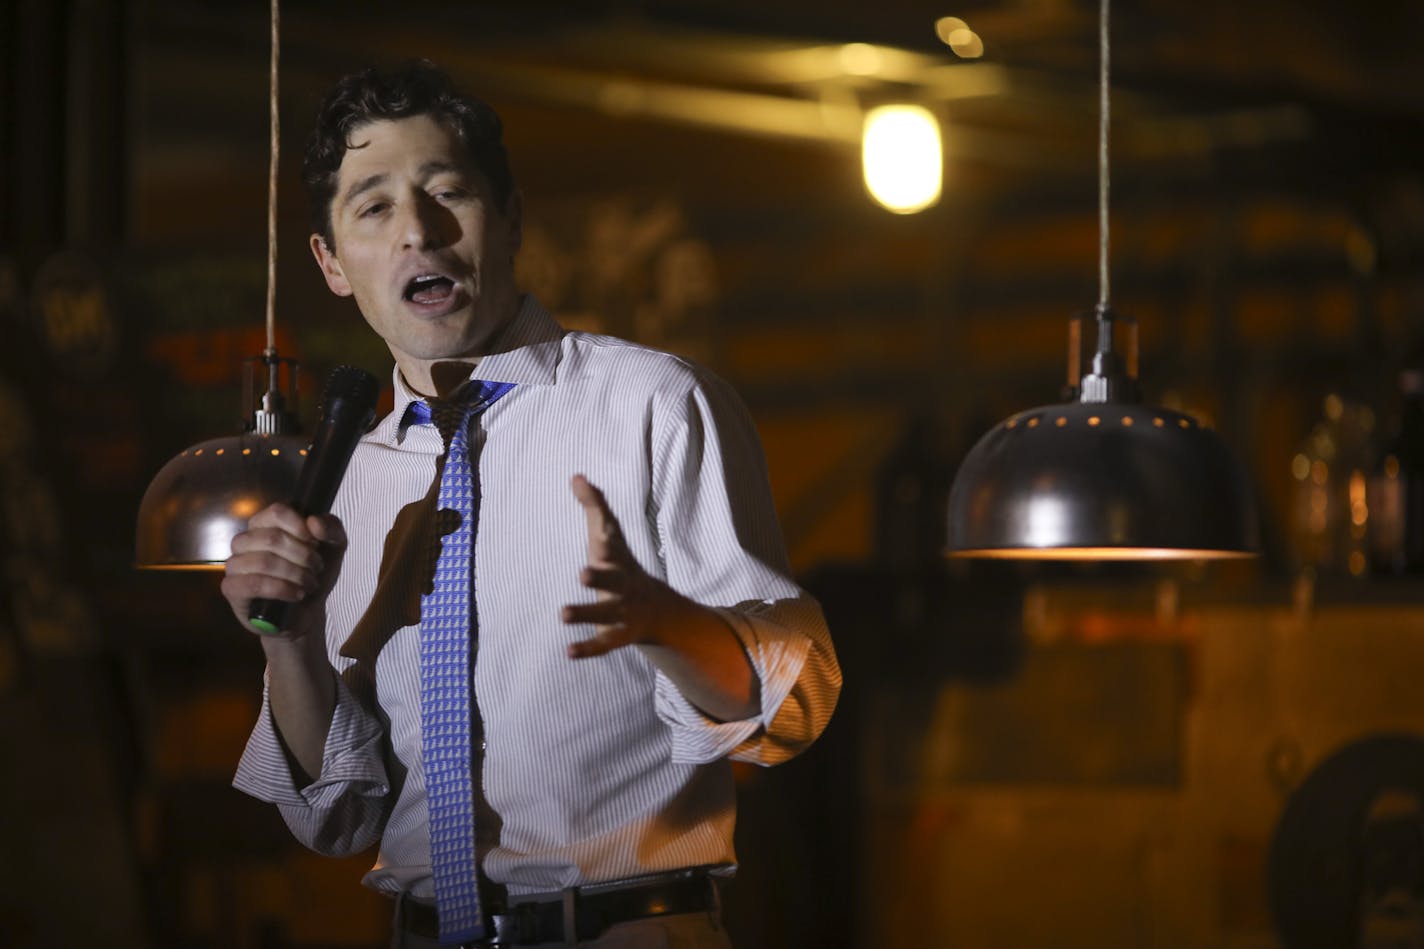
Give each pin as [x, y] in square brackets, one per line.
[203, 497]
[1102, 477]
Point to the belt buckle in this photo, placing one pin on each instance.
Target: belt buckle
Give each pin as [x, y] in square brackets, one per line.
[514, 927]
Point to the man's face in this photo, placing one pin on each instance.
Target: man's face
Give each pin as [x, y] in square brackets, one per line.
[421, 244]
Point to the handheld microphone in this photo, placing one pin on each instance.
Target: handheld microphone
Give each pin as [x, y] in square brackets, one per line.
[348, 406]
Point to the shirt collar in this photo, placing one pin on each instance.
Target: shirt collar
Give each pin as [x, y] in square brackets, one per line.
[526, 352]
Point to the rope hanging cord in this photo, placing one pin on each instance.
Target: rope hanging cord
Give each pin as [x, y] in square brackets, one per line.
[1103, 175]
[274, 146]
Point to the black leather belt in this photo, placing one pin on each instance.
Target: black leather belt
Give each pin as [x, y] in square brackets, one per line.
[587, 910]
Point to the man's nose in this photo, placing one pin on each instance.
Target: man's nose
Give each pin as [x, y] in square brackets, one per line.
[426, 223]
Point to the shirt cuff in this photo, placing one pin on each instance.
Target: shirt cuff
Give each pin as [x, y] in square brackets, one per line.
[351, 759]
[777, 655]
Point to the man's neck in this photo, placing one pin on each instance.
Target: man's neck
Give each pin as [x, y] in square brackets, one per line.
[447, 377]
[438, 380]
[441, 378]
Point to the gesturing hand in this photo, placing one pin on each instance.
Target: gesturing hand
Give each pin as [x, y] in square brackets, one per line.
[632, 606]
[689, 642]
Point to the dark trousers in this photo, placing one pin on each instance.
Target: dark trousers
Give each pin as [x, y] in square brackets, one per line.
[702, 930]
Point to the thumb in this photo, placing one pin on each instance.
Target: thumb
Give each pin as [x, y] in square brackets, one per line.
[331, 534]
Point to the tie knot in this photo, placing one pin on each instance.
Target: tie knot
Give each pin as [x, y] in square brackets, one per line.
[448, 415]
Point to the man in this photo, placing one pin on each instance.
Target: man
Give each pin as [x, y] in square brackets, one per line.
[631, 625]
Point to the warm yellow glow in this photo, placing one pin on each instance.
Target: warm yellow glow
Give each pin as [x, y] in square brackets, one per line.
[966, 43]
[947, 26]
[1099, 553]
[860, 59]
[902, 157]
[956, 34]
[1300, 467]
[1359, 511]
[244, 508]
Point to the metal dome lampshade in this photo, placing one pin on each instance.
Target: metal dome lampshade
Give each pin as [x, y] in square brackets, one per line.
[1102, 477]
[205, 495]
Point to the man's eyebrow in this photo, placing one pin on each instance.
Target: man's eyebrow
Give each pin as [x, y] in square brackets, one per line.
[432, 168]
[362, 186]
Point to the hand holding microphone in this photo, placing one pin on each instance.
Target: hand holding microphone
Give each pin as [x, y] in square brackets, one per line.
[274, 562]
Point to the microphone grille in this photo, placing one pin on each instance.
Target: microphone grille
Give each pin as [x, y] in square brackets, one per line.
[353, 383]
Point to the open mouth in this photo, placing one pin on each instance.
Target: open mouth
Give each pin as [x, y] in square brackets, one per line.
[429, 288]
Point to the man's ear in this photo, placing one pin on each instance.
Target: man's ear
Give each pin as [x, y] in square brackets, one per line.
[330, 267]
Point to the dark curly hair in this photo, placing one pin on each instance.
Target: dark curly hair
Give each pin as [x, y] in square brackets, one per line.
[417, 87]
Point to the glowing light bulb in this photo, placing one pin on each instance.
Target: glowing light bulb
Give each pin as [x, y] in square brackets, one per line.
[902, 157]
[947, 26]
[956, 34]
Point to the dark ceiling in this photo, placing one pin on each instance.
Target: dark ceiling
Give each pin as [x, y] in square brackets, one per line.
[1349, 55]
[731, 101]
[1191, 80]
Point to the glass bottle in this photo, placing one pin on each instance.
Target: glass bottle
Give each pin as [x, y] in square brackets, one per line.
[1396, 487]
[1330, 516]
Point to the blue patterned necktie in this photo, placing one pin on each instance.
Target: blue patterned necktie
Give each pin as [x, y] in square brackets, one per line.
[447, 632]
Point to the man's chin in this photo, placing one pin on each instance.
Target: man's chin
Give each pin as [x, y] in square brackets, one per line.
[454, 347]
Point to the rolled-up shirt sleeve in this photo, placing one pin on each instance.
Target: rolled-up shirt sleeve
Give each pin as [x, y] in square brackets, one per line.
[721, 545]
[342, 811]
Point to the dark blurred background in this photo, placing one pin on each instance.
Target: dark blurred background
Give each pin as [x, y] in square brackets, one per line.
[1095, 756]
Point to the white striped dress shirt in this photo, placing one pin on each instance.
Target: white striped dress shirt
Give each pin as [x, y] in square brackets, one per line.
[596, 769]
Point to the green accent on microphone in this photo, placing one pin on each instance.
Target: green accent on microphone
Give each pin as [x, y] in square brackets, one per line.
[265, 627]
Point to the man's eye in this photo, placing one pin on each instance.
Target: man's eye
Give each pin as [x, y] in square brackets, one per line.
[449, 194]
[371, 210]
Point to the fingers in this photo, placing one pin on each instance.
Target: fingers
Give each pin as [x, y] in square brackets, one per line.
[605, 538]
[605, 642]
[619, 613]
[269, 548]
[587, 495]
[605, 579]
[282, 517]
[602, 613]
[327, 529]
[610, 607]
[241, 589]
[282, 556]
